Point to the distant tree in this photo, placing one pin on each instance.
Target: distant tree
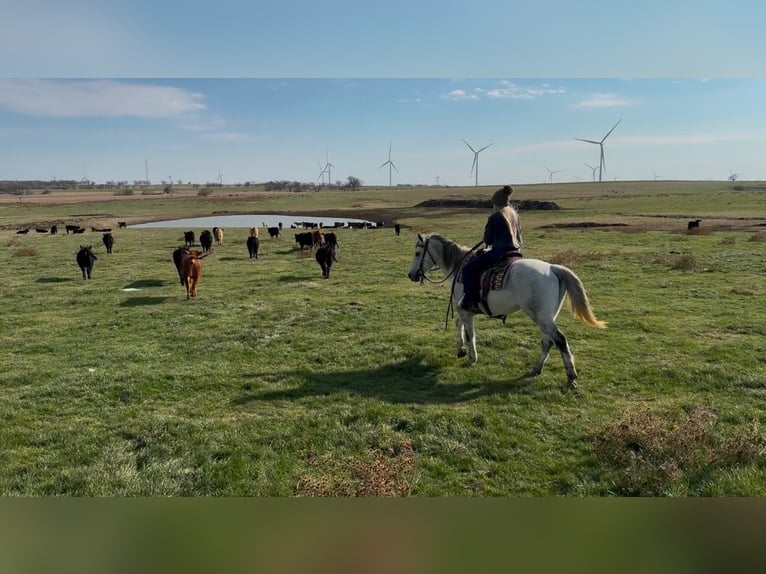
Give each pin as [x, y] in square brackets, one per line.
[353, 182]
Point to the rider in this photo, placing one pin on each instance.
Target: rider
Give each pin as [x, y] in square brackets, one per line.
[502, 234]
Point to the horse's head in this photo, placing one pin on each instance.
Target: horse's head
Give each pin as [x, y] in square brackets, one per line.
[423, 260]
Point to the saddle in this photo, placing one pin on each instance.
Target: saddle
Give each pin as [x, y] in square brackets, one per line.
[494, 278]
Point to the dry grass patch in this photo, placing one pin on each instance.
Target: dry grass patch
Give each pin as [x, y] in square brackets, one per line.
[26, 252]
[684, 262]
[387, 472]
[759, 236]
[645, 454]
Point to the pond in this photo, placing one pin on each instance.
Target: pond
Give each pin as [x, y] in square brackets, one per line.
[247, 221]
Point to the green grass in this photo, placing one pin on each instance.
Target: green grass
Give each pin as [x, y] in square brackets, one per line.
[275, 382]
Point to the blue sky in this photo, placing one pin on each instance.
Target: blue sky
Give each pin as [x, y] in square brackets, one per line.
[266, 90]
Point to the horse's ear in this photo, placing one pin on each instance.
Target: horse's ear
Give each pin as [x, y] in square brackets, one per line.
[420, 237]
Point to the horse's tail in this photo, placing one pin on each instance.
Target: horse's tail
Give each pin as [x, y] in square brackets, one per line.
[578, 298]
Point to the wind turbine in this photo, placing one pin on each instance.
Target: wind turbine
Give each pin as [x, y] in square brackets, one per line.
[475, 163]
[322, 171]
[550, 173]
[593, 170]
[733, 176]
[219, 179]
[390, 165]
[327, 167]
[602, 163]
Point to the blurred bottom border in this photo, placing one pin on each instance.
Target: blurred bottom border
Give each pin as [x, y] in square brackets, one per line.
[379, 535]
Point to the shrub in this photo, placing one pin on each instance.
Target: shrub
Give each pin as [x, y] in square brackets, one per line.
[125, 191]
[684, 262]
[205, 191]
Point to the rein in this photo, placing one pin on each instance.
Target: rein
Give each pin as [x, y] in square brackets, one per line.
[452, 274]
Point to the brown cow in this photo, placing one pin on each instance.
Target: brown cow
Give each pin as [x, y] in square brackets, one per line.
[317, 238]
[218, 235]
[191, 269]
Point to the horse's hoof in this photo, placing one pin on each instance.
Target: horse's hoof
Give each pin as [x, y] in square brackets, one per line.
[572, 385]
[461, 353]
[470, 362]
[534, 372]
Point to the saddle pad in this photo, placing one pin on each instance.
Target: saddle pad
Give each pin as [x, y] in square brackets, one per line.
[496, 277]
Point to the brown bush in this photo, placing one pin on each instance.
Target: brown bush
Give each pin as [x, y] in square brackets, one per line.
[645, 454]
[684, 262]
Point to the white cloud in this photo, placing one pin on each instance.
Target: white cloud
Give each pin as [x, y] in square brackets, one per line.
[603, 101]
[97, 98]
[460, 95]
[506, 90]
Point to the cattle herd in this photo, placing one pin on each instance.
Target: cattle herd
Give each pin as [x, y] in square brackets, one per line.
[188, 261]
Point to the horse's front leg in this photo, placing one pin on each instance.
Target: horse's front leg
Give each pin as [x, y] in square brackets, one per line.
[470, 336]
[460, 337]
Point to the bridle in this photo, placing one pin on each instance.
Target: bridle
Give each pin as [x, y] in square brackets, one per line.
[422, 272]
[423, 276]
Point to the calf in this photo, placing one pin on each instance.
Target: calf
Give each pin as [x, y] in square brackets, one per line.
[206, 241]
[108, 242]
[218, 235]
[304, 239]
[693, 224]
[325, 256]
[189, 238]
[122, 224]
[397, 229]
[191, 268]
[317, 238]
[85, 259]
[274, 232]
[252, 246]
[54, 229]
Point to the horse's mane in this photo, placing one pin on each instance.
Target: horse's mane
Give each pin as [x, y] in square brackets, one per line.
[452, 252]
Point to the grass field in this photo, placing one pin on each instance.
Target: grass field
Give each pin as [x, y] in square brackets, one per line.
[275, 382]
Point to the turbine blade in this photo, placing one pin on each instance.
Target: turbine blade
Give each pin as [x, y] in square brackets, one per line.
[394, 166]
[589, 141]
[469, 146]
[610, 131]
[383, 164]
[485, 147]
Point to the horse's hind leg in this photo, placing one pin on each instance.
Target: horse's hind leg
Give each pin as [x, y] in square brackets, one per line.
[552, 335]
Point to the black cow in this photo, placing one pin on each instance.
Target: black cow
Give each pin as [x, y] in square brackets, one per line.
[189, 238]
[78, 230]
[71, 228]
[41, 230]
[22, 232]
[274, 232]
[252, 246]
[325, 255]
[178, 256]
[85, 259]
[305, 239]
[397, 229]
[122, 224]
[206, 240]
[108, 242]
[694, 224]
[54, 229]
[331, 239]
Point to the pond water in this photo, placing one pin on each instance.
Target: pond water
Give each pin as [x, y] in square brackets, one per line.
[246, 221]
